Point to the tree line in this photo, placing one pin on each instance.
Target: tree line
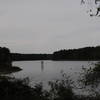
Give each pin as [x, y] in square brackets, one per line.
[86, 53]
[27, 57]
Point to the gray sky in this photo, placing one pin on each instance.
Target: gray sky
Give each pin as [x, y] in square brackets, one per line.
[44, 26]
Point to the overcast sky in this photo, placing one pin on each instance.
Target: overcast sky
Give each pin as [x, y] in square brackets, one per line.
[44, 26]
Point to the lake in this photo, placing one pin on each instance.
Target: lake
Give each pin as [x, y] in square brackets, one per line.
[49, 70]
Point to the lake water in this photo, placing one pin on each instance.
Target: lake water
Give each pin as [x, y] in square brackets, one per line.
[49, 70]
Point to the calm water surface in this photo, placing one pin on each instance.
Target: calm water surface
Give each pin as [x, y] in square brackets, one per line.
[49, 70]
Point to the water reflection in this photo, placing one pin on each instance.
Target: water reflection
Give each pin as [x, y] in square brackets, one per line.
[42, 66]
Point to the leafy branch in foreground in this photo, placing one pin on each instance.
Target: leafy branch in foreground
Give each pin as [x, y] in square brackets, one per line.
[62, 89]
[11, 88]
[91, 75]
[93, 7]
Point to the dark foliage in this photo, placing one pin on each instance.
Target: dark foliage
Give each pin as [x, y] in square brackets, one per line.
[26, 57]
[87, 53]
[91, 76]
[6, 62]
[14, 89]
[62, 89]
[5, 57]
[92, 4]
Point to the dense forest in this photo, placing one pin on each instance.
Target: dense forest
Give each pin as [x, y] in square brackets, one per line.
[5, 57]
[86, 53]
[26, 57]
[6, 66]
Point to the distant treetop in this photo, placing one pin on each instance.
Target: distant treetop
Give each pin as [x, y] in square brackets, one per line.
[86, 53]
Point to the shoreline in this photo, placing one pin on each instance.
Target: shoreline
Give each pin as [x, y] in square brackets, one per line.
[9, 70]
